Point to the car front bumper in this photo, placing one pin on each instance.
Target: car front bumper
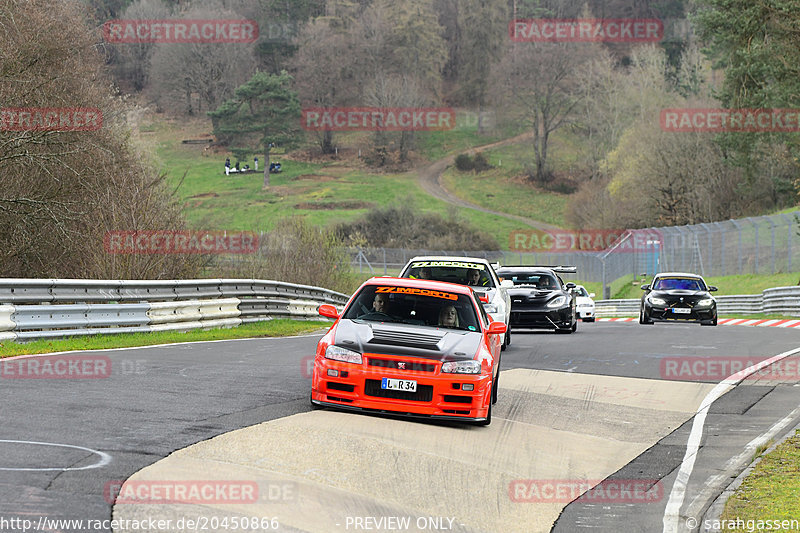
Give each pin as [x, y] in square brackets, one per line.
[667, 314]
[438, 395]
[541, 318]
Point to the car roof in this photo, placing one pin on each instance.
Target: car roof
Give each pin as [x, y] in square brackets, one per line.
[678, 275]
[543, 270]
[450, 258]
[420, 284]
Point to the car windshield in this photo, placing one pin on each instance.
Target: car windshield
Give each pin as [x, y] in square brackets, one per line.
[461, 272]
[540, 281]
[686, 284]
[581, 291]
[414, 306]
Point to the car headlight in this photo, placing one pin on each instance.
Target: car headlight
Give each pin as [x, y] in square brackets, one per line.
[658, 301]
[462, 367]
[557, 302]
[490, 308]
[705, 302]
[337, 353]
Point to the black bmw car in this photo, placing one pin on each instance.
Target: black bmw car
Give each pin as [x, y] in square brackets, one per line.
[540, 299]
[675, 296]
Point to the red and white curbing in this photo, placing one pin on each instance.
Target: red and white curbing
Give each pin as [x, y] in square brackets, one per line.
[775, 323]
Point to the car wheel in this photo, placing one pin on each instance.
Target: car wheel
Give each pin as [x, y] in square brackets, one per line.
[710, 322]
[575, 325]
[488, 416]
[643, 318]
[588, 319]
[495, 386]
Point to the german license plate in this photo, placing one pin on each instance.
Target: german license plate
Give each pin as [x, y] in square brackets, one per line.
[681, 310]
[399, 384]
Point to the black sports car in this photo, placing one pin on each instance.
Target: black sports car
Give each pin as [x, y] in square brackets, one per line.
[540, 299]
[676, 296]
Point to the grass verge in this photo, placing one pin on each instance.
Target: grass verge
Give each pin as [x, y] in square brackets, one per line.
[269, 328]
[770, 492]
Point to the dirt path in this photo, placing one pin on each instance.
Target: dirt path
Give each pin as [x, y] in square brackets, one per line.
[430, 178]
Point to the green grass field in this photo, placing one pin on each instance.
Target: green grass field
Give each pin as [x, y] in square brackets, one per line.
[770, 492]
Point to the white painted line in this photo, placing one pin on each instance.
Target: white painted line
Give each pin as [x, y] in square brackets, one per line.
[678, 493]
[711, 485]
[104, 457]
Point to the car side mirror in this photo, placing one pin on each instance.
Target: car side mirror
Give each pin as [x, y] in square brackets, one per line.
[507, 284]
[571, 285]
[645, 287]
[496, 328]
[712, 288]
[328, 310]
[591, 295]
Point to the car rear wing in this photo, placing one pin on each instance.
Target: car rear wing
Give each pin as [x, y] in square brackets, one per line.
[561, 269]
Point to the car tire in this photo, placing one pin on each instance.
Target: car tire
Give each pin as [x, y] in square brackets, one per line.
[643, 318]
[488, 416]
[588, 319]
[574, 326]
[495, 386]
[313, 405]
[709, 322]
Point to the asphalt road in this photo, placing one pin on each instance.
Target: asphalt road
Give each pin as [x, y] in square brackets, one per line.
[158, 400]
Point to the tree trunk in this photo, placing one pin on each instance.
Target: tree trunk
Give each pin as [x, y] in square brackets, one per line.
[266, 168]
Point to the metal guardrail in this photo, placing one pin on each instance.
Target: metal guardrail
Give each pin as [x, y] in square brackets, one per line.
[778, 301]
[49, 308]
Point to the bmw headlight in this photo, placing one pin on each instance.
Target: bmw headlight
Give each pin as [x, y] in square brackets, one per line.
[337, 353]
[462, 367]
[655, 300]
[557, 302]
[705, 302]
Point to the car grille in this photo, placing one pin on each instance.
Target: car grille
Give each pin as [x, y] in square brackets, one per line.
[410, 366]
[372, 387]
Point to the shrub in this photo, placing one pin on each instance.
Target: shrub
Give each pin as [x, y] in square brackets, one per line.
[480, 163]
[406, 227]
[464, 162]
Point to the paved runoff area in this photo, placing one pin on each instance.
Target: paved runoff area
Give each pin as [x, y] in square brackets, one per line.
[554, 436]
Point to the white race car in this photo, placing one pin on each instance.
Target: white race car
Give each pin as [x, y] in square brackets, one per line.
[584, 305]
[473, 271]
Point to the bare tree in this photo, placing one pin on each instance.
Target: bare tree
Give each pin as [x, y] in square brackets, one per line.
[133, 59]
[208, 72]
[539, 88]
[63, 190]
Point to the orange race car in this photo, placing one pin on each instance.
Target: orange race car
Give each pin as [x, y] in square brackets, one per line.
[410, 347]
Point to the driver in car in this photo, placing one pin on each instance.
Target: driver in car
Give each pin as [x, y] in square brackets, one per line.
[381, 303]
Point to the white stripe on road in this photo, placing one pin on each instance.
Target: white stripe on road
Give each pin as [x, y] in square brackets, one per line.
[672, 516]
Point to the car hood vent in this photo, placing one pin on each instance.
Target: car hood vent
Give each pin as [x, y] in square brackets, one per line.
[384, 335]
